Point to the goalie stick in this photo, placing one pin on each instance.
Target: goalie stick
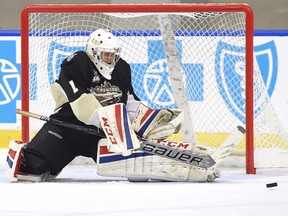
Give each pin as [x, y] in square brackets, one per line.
[86, 129]
[180, 155]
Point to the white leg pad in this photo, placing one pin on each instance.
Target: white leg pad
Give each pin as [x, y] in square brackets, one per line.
[14, 157]
[141, 165]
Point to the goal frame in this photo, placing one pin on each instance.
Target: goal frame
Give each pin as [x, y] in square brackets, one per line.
[157, 8]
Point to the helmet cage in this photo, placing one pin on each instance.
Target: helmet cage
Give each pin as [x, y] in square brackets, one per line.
[107, 57]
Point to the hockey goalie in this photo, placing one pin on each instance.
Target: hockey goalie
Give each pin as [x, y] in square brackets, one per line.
[120, 153]
[94, 91]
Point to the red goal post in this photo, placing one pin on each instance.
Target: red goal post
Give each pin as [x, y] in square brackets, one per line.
[204, 13]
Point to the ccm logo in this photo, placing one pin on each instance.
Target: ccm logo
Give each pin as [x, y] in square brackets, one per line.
[174, 144]
[108, 131]
[172, 153]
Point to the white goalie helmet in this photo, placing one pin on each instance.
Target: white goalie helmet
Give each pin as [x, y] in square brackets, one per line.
[103, 49]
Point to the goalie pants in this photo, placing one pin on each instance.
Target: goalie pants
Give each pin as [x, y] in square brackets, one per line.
[54, 147]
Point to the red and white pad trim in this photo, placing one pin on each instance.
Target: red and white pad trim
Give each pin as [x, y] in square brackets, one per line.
[115, 123]
[14, 157]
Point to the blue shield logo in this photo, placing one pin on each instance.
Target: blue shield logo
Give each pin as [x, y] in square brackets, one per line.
[230, 71]
[57, 53]
[267, 60]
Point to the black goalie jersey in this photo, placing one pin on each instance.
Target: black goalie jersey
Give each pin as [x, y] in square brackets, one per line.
[79, 72]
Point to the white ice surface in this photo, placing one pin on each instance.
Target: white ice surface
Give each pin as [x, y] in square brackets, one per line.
[78, 191]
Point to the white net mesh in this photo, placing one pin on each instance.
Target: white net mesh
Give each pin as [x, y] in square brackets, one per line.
[195, 61]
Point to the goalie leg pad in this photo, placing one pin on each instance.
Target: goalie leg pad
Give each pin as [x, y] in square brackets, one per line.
[142, 166]
[154, 167]
[14, 157]
[17, 171]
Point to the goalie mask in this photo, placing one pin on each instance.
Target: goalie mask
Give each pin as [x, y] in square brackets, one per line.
[103, 49]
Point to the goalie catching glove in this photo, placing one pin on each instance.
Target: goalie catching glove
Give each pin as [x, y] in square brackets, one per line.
[157, 124]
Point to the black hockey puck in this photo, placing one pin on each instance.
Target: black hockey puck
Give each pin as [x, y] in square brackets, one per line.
[274, 184]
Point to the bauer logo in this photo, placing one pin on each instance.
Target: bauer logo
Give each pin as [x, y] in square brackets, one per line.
[155, 81]
[56, 54]
[230, 72]
[10, 81]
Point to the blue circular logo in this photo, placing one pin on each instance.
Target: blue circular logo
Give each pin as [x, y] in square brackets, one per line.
[9, 81]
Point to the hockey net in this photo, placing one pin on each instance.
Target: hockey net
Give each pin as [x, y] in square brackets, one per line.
[196, 57]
